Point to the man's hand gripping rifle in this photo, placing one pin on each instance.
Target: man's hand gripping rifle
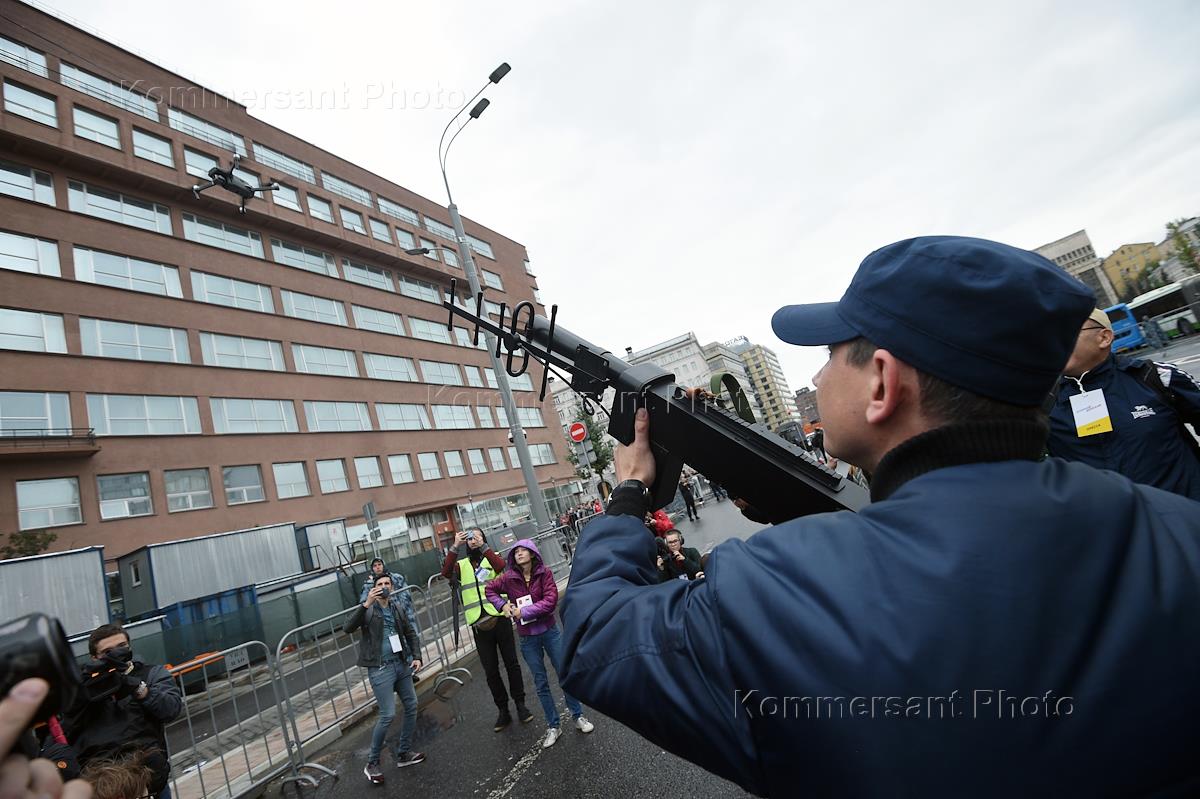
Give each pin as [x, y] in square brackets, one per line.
[780, 480]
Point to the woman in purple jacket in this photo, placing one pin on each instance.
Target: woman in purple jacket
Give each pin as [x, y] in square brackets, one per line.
[526, 592]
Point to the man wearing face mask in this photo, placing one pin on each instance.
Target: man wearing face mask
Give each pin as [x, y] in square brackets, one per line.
[124, 706]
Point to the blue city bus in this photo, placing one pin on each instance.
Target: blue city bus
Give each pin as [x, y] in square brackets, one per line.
[1126, 333]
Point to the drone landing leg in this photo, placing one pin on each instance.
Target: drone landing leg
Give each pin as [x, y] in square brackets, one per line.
[199, 187]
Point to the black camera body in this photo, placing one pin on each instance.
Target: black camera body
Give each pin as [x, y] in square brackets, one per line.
[105, 676]
[36, 646]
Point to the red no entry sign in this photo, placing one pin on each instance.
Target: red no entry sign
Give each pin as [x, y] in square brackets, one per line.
[577, 431]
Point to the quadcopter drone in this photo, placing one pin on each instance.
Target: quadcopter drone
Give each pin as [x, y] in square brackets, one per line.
[231, 182]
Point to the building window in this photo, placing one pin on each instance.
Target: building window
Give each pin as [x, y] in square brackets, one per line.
[440, 229]
[405, 239]
[452, 417]
[324, 361]
[137, 415]
[325, 417]
[242, 484]
[320, 209]
[541, 454]
[101, 129]
[419, 290]
[496, 456]
[218, 234]
[522, 382]
[485, 416]
[286, 196]
[395, 416]
[528, 268]
[480, 246]
[48, 503]
[397, 211]
[206, 131]
[239, 353]
[277, 160]
[220, 290]
[368, 472]
[253, 415]
[429, 331]
[473, 377]
[332, 476]
[135, 573]
[107, 91]
[530, 417]
[153, 148]
[379, 230]
[368, 275]
[291, 480]
[465, 338]
[30, 104]
[24, 57]
[390, 367]
[401, 469]
[432, 247]
[305, 258]
[124, 495]
[316, 309]
[26, 183]
[430, 470]
[197, 164]
[454, 463]
[31, 331]
[188, 489]
[478, 466]
[106, 339]
[25, 412]
[492, 279]
[490, 374]
[442, 374]
[379, 321]
[346, 189]
[352, 220]
[450, 257]
[124, 272]
[117, 207]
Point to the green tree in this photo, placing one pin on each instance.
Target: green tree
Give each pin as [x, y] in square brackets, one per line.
[26, 543]
[1138, 284]
[602, 451]
[1183, 246]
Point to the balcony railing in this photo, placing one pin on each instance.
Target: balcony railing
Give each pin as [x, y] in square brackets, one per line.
[82, 439]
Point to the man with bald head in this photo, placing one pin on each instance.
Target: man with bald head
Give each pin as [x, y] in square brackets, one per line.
[1146, 405]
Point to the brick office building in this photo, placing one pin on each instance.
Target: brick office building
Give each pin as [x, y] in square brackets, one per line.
[170, 367]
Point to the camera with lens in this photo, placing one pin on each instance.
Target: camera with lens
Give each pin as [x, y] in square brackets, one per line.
[36, 646]
[108, 675]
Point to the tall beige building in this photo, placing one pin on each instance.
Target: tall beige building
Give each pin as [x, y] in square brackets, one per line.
[1126, 264]
[776, 405]
[1075, 254]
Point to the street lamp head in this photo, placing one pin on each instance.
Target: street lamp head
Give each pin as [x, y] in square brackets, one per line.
[499, 72]
[479, 108]
[417, 251]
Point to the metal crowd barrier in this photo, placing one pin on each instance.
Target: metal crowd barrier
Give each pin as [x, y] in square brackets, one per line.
[440, 614]
[231, 737]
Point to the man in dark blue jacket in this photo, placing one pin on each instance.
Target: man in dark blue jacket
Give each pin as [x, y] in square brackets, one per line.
[992, 624]
[1147, 405]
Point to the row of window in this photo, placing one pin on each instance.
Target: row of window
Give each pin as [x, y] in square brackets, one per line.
[41, 107]
[56, 502]
[157, 415]
[21, 181]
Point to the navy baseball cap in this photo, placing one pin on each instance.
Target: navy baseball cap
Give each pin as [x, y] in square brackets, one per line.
[993, 319]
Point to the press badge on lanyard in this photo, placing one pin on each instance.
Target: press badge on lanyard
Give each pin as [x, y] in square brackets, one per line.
[1091, 413]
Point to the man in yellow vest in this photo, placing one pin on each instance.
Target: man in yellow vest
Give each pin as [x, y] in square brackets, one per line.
[471, 563]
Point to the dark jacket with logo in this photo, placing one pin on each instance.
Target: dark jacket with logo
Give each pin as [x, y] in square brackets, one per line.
[370, 620]
[921, 647]
[1147, 442]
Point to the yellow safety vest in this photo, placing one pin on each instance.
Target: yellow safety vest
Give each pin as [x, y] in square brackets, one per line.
[473, 597]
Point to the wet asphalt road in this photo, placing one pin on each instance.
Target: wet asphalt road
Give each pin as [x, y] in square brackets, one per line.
[467, 759]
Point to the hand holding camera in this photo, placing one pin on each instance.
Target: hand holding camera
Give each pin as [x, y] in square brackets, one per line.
[378, 594]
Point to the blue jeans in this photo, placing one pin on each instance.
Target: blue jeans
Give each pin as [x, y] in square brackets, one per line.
[532, 648]
[386, 681]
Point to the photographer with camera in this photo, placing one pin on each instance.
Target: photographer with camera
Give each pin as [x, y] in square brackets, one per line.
[675, 562]
[471, 564]
[389, 644]
[124, 706]
[377, 568]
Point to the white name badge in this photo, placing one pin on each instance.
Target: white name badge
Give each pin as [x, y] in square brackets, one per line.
[481, 574]
[1091, 413]
[394, 640]
[524, 601]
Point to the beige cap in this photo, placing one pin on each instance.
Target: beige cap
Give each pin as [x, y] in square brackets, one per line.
[1101, 317]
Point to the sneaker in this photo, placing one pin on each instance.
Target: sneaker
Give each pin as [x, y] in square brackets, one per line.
[583, 725]
[551, 737]
[524, 713]
[372, 772]
[502, 721]
[409, 758]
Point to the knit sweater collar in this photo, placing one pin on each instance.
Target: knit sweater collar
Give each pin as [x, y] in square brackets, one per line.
[957, 445]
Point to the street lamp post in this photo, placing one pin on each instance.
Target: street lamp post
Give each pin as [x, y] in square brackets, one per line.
[537, 501]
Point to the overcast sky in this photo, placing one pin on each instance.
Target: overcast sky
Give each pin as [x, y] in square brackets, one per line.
[677, 166]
